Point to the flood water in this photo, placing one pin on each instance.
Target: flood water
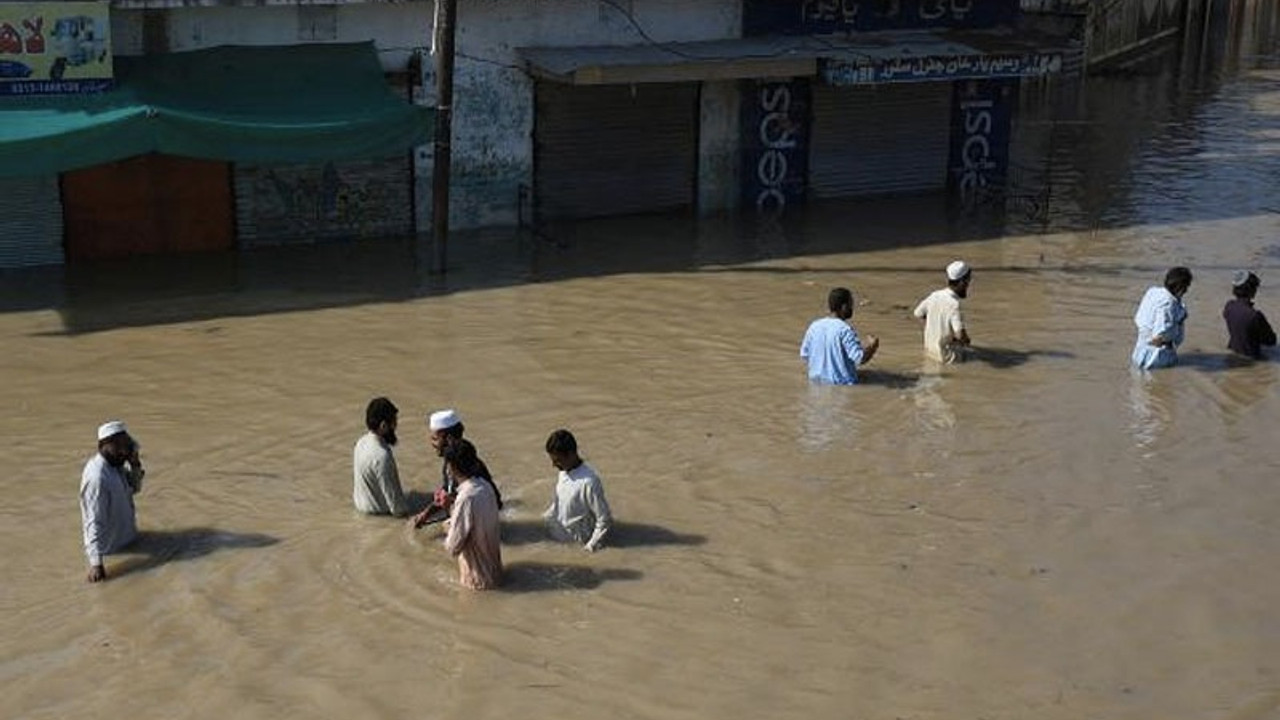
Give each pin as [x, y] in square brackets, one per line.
[1035, 534]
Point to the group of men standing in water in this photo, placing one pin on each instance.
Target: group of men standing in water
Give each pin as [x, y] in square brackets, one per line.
[468, 499]
[833, 350]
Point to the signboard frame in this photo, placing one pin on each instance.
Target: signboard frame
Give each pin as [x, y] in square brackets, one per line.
[52, 48]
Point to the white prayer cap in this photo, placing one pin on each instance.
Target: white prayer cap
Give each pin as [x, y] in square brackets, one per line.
[957, 270]
[443, 420]
[107, 429]
[1242, 278]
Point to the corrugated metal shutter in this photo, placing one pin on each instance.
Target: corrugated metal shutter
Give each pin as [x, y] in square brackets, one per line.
[30, 221]
[614, 149]
[302, 203]
[888, 139]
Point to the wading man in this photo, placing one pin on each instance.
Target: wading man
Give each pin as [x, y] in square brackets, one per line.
[831, 347]
[945, 336]
[579, 512]
[377, 489]
[1247, 326]
[445, 427]
[473, 519]
[110, 480]
[1160, 319]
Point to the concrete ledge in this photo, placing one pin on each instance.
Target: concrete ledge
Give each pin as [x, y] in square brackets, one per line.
[1132, 51]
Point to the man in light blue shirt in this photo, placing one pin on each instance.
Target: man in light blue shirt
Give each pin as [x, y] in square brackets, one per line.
[1160, 319]
[831, 346]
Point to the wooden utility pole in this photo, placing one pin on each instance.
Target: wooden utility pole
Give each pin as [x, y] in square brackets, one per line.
[446, 18]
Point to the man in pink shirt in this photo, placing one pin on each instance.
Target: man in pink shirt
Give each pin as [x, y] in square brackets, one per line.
[473, 520]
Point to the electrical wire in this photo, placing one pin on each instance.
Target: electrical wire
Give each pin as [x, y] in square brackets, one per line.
[461, 54]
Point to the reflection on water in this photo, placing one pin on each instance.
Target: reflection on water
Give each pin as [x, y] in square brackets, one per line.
[828, 416]
[1150, 398]
[1036, 533]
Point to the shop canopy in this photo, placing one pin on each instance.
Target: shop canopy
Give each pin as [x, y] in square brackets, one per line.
[294, 104]
[869, 58]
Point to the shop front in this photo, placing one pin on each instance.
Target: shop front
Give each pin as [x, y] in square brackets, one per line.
[153, 162]
[910, 97]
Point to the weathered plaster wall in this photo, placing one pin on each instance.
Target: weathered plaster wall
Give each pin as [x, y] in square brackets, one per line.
[396, 29]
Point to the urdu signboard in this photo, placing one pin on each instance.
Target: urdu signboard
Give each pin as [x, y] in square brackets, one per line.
[977, 66]
[49, 48]
[807, 17]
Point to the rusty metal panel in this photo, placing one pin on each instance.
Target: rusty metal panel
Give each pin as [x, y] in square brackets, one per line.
[883, 140]
[149, 204]
[614, 149]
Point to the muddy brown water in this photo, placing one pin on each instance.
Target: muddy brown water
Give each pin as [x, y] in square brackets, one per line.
[1038, 533]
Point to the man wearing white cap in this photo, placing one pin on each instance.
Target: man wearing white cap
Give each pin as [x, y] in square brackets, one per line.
[944, 331]
[107, 486]
[446, 426]
[1247, 327]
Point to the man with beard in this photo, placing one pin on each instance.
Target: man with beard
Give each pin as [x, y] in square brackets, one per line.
[377, 481]
[945, 336]
[107, 486]
[446, 427]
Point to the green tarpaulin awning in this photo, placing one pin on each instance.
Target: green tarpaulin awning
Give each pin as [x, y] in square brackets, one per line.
[294, 104]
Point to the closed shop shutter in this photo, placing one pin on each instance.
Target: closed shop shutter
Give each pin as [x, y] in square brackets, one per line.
[30, 221]
[614, 149]
[303, 203]
[148, 204]
[887, 139]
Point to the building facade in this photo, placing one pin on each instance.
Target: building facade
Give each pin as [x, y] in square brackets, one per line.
[569, 109]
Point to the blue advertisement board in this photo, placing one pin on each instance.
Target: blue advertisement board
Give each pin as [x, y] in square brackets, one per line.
[981, 123]
[818, 17]
[775, 144]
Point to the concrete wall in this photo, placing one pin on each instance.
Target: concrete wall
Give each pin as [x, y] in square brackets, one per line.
[396, 29]
[493, 113]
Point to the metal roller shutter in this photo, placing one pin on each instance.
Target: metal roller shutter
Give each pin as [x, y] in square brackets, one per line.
[30, 221]
[890, 139]
[303, 203]
[614, 149]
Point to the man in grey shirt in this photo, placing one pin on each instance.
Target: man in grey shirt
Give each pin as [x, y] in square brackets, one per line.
[110, 480]
[377, 481]
[578, 512]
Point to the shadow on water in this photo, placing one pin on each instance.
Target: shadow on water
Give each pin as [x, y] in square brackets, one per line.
[526, 577]
[623, 535]
[887, 378]
[1217, 362]
[1113, 152]
[154, 548]
[1004, 358]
